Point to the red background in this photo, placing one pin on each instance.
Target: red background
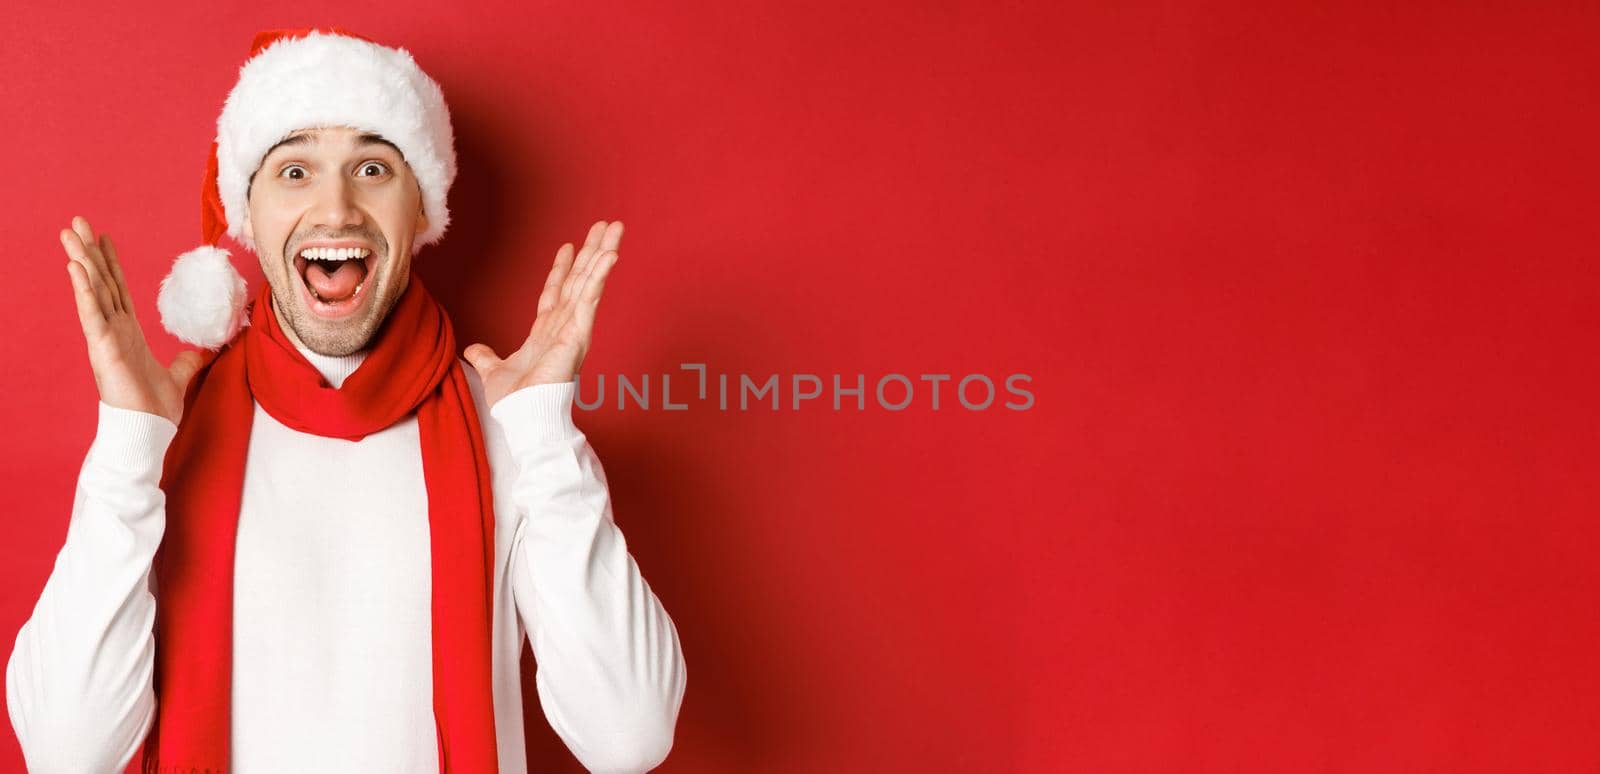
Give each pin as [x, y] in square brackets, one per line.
[1307, 294]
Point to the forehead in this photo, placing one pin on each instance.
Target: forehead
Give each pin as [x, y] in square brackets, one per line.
[332, 139]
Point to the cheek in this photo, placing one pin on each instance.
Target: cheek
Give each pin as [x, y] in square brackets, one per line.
[399, 215]
[272, 234]
[270, 230]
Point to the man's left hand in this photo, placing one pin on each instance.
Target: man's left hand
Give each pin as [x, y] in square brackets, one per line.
[563, 323]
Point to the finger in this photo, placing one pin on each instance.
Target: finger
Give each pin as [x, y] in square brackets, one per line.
[609, 241]
[586, 256]
[109, 250]
[89, 315]
[91, 249]
[589, 301]
[612, 239]
[482, 358]
[591, 244]
[102, 295]
[558, 275]
[80, 226]
[596, 231]
[588, 271]
[595, 283]
[183, 367]
[72, 240]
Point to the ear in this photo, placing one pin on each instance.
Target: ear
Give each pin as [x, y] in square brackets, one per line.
[249, 230]
[422, 221]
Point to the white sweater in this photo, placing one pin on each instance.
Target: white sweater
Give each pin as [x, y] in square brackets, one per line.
[332, 591]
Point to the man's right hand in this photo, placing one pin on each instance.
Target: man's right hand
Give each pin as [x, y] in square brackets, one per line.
[125, 371]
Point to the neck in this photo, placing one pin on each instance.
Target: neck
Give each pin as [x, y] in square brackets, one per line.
[334, 368]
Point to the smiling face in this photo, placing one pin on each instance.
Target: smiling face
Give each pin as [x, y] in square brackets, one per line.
[333, 215]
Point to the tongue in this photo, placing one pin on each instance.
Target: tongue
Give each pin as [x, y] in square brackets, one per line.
[337, 284]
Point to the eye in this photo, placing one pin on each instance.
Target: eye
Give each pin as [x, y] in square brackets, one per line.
[286, 170]
[381, 168]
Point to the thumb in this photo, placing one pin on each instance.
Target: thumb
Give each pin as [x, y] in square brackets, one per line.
[184, 366]
[481, 357]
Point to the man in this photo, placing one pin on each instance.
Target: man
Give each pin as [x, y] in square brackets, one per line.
[318, 548]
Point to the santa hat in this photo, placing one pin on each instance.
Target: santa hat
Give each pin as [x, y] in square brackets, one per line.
[294, 80]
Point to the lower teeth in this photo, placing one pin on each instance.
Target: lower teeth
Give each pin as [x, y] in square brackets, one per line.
[326, 301]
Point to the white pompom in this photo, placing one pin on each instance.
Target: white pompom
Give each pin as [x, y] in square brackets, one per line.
[202, 300]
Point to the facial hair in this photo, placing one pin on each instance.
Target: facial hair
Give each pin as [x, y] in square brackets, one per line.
[343, 337]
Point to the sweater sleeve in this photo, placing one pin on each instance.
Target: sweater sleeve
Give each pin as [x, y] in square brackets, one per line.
[79, 679]
[611, 673]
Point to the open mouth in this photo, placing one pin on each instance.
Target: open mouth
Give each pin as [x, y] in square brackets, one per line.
[334, 278]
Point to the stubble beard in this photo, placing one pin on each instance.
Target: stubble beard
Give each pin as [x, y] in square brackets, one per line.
[340, 338]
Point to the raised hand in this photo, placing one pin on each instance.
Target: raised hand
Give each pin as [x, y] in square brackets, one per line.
[126, 373]
[563, 323]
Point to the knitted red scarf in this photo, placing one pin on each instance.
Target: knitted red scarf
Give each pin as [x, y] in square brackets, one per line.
[411, 366]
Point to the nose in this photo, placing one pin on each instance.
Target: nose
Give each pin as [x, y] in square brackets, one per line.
[336, 207]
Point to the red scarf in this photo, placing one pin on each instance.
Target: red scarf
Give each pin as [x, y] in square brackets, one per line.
[411, 366]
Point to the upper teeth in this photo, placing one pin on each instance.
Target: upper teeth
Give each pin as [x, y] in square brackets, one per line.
[333, 253]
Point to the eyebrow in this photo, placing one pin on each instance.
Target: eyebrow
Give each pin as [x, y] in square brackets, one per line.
[366, 138]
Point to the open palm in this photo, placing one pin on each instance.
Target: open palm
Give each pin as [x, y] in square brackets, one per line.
[125, 371]
[563, 322]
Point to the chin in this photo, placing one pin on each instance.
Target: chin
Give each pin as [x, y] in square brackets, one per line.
[338, 292]
[336, 348]
[333, 337]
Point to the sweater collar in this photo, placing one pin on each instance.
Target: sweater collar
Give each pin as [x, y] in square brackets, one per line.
[335, 368]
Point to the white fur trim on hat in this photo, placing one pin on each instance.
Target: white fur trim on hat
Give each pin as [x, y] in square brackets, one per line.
[202, 300]
[326, 79]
